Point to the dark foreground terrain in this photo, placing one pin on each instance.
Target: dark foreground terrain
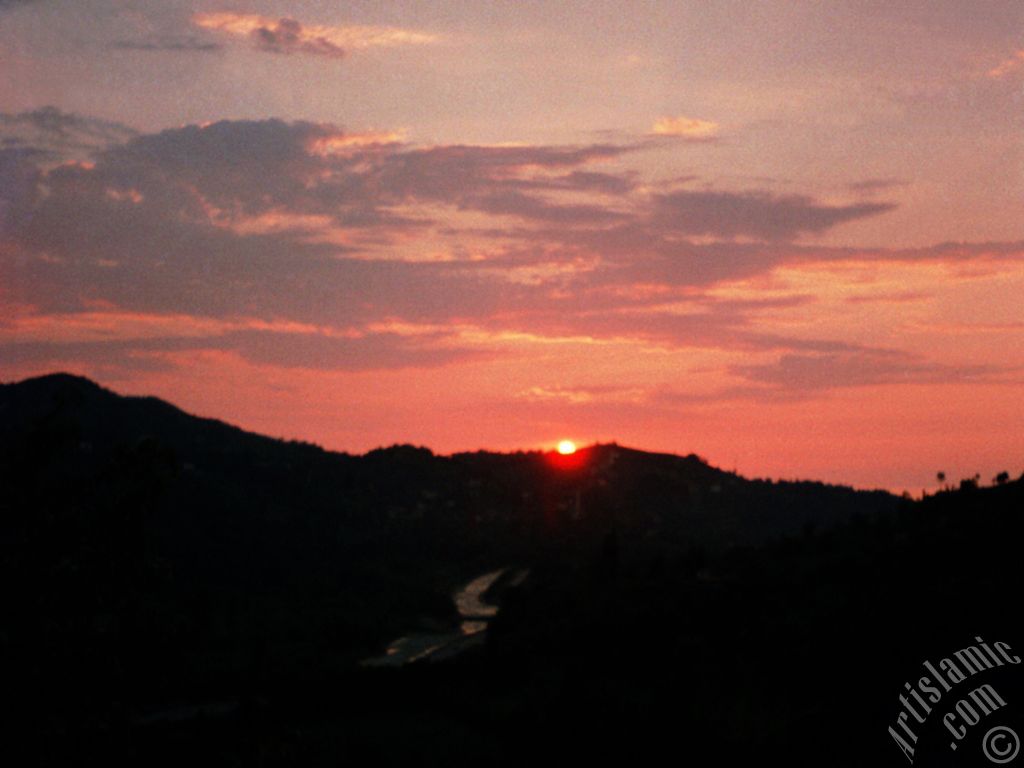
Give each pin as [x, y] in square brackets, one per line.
[179, 592]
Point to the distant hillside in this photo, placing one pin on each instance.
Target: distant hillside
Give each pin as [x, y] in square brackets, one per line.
[150, 557]
[66, 423]
[225, 513]
[793, 652]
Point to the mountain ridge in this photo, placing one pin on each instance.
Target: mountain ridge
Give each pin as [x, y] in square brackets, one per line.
[58, 385]
[156, 562]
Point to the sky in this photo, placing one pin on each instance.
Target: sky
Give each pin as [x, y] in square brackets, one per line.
[787, 236]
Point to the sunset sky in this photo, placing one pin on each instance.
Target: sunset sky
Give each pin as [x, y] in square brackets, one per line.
[785, 235]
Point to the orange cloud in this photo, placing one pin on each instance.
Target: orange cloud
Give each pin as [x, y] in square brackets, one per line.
[1012, 64]
[686, 128]
[345, 142]
[287, 35]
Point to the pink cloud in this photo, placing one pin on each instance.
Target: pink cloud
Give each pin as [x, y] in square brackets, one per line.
[182, 222]
[288, 35]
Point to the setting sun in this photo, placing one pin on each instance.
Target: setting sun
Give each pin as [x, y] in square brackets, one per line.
[567, 447]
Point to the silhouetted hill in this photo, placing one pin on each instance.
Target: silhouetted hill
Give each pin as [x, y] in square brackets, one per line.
[153, 560]
[66, 423]
[794, 652]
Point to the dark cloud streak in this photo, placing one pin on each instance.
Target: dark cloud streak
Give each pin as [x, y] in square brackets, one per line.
[170, 43]
[287, 36]
[758, 215]
[308, 351]
[60, 135]
[856, 368]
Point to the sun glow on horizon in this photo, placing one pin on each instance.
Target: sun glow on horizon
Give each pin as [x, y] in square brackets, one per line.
[567, 447]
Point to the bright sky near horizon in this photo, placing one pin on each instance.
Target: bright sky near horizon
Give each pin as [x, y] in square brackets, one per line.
[785, 235]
